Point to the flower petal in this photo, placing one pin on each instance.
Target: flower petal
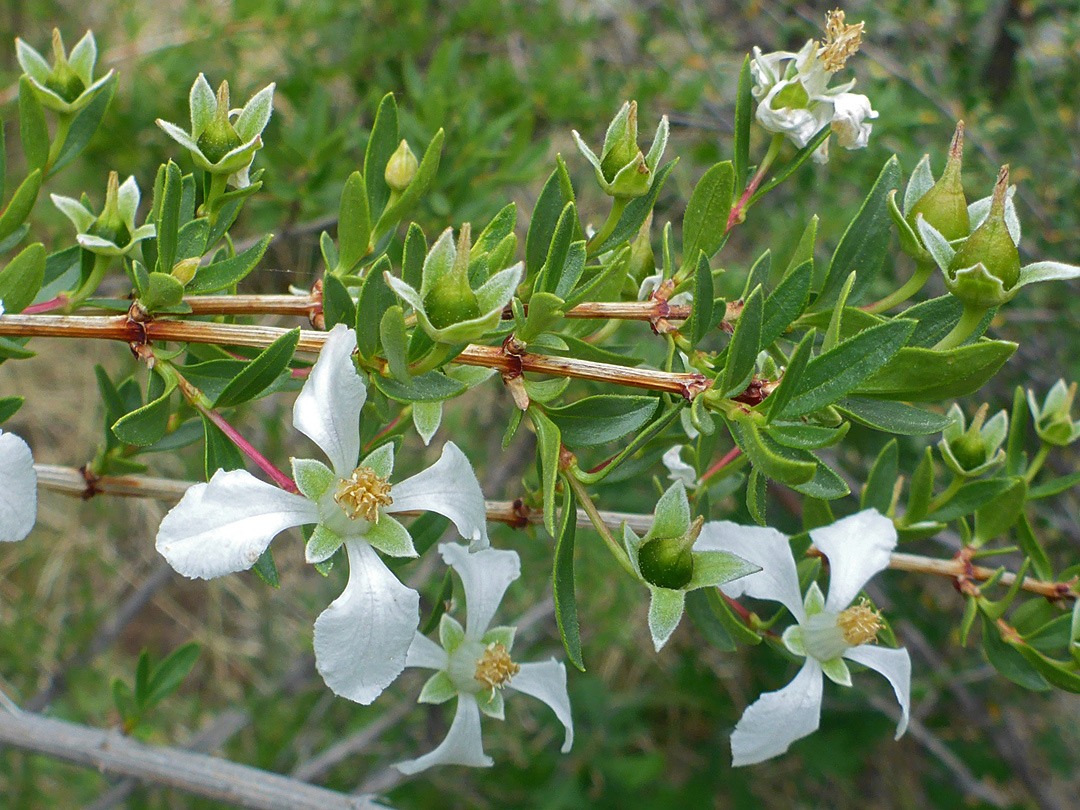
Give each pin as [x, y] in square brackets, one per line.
[203, 104]
[895, 665]
[546, 681]
[665, 613]
[18, 487]
[449, 488]
[462, 746]
[485, 576]
[74, 210]
[857, 546]
[327, 410]
[767, 548]
[362, 639]
[426, 654]
[678, 470]
[256, 114]
[225, 525]
[777, 719]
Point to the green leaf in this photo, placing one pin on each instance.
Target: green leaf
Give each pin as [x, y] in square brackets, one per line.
[997, 516]
[375, 298]
[892, 417]
[745, 344]
[545, 311]
[927, 375]
[554, 196]
[392, 333]
[878, 491]
[1029, 544]
[704, 223]
[635, 214]
[191, 239]
[841, 370]
[354, 224]
[439, 603]
[412, 257]
[425, 175]
[1008, 661]
[8, 407]
[744, 105]
[1057, 673]
[168, 675]
[825, 483]
[168, 222]
[700, 610]
[603, 418]
[262, 372]
[227, 272]
[380, 146]
[865, 243]
[970, 497]
[833, 334]
[551, 272]
[338, 306]
[430, 387]
[786, 302]
[702, 314]
[922, 489]
[784, 464]
[20, 204]
[548, 444]
[265, 569]
[147, 424]
[162, 292]
[22, 278]
[775, 403]
[1015, 456]
[1055, 486]
[757, 488]
[804, 251]
[219, 453]
[33, 131]
[566, 614]
[84, 126]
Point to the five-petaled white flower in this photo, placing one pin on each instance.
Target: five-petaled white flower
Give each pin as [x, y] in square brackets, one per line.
[474, 663]
[828, 630]
[226, 524]
[794, 97]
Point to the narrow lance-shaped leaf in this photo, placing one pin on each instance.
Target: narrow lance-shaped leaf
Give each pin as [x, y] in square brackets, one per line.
[548, 443]
[33, 130]
[744, 347]
[743, 116]
[354, 224]
[380, 146]
[707, 212]
[702, 314]
[566, 614]
[261, 372]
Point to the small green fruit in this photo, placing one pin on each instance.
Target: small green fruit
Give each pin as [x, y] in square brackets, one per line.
[944, 205]
[666, 562]
[220, 137]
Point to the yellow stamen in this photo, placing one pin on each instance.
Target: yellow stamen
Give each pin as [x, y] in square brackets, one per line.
[860, 623]
[841, 40]
[362, 493]
[495, 669]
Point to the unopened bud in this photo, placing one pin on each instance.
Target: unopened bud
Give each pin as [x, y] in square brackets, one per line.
[401, 168]
[185, 269]
[220, 137]
[62, 79]
[110, 225]
[944, 205]
[668, 562]
[992, 246]
[620, 145]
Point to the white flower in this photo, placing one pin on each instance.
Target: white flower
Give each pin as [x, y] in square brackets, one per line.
[678, 470]
[113, 233]
[474, 663]
[794, 97]
[828, 630]
[18, 486]
[226, 524]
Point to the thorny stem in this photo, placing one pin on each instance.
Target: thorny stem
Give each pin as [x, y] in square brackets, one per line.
[686, 385]
[71, 481]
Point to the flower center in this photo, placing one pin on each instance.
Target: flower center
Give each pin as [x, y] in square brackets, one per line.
[362, 493]
[494, 668]
[841, 41]
[860, 623]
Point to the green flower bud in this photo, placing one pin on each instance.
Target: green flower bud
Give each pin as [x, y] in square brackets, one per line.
[1053, 421]
[944, 205]
[977, 449]
[620, 145]
[451, 299]
[987, 266]
[110, 224]
[220, 137]
[401, 168]
[184, 270]
[63, 80]
[667, 562]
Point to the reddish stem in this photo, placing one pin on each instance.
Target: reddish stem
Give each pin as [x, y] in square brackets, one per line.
[245, 447]
[47, 306]
[729, 457]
